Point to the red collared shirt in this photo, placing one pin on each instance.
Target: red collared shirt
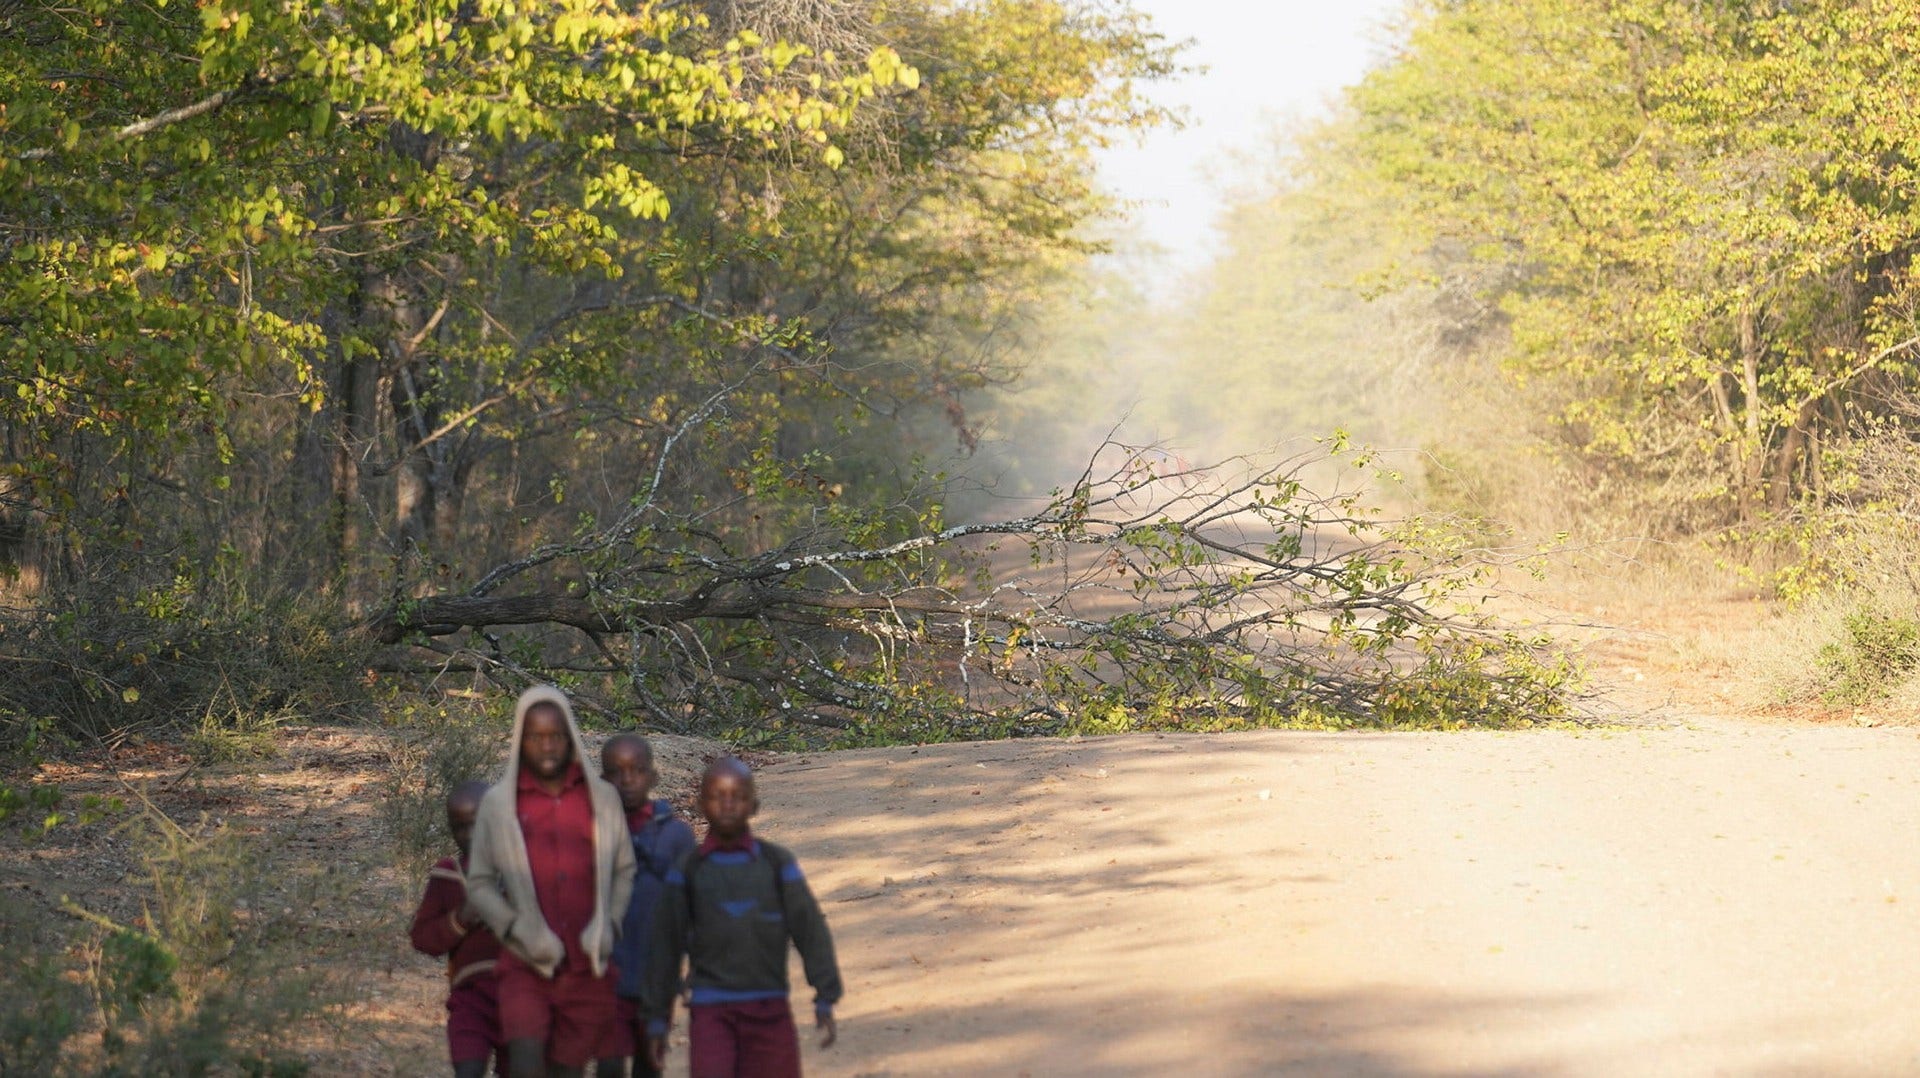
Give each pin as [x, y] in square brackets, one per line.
[744, 844]
[640, 817]
[558, 830]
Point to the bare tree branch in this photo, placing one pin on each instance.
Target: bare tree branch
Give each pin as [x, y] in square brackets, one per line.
[1199, 590]
[210, 103]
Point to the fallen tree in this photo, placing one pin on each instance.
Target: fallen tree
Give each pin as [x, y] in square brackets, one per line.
[1145, 594]
[1142, 595]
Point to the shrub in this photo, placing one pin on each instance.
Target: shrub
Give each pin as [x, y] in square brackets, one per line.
[440, 748]
[1876, 652]
[210, 980]
[199, 652]
[40, 1008]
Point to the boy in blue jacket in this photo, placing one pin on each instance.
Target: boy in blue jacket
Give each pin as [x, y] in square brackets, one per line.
[659, 840]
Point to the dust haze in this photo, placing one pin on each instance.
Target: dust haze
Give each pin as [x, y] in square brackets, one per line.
[1283, 343]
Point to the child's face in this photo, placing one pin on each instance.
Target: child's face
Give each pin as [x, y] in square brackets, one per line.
[728, 801]
[546, 747]
[630, 769]
[460, 816]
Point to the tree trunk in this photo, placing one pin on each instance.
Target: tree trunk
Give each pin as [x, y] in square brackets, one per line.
[310, 532]
[1787, 459]
[349, 423]
[414, 383]
[1753, 457]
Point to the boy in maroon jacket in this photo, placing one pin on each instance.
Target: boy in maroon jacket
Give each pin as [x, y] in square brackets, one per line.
[445, 925]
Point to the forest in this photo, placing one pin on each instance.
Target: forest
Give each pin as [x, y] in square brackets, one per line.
[355, 348]
[779, 370]
[663, 351]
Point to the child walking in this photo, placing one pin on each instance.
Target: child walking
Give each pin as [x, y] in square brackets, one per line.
[660, 840]
[445, 926]
[551, 874]
[731, 910]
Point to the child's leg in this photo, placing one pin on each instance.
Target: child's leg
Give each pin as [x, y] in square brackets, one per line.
[526, 1018]
[472, 1027]
[642, 1060]
[756, 1039]
[769, 1044]
[642, 1063]
[583, 1016]
[527, 1058]
[625, 1039]
[711, 1052]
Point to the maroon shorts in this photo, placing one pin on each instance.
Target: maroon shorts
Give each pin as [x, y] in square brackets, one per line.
[571, 1013]
[744, 1040]
[622, 1039]
[473, 1019]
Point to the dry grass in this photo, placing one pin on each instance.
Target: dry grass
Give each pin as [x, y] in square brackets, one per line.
[1671, 630]
[1664, 632]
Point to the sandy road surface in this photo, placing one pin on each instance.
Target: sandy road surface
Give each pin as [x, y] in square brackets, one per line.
[1727, 900]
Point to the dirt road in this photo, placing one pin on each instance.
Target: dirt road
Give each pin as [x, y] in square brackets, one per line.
[1724, 900]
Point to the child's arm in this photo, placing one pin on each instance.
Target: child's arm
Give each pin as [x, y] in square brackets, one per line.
[808, 927]
[621, 891]
[664, 953]
[676, 842]
[484, 895]
[437, 928]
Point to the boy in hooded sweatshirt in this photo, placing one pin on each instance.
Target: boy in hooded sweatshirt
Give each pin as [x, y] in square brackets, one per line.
[660, 840]
[551, 874]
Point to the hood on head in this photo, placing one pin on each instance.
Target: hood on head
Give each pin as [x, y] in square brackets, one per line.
[542, 694]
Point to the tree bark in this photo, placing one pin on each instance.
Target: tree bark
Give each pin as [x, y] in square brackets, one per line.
[1788, 458]
[1753, 456]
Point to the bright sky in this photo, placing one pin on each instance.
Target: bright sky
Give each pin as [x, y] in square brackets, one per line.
[1265, 59]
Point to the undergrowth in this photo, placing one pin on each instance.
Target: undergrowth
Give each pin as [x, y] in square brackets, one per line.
[217, 974]
[435, 748]
[141, 651]
[1875, 653]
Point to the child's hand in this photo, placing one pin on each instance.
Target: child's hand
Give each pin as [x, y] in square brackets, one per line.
[657, 1052]
[829, 1030]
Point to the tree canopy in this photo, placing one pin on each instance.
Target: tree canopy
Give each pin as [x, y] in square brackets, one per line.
[371, 245]
[612, 342]
[1647, 261]
[1701, 214]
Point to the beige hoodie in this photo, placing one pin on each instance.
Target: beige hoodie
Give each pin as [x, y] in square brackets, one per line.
[500, 879]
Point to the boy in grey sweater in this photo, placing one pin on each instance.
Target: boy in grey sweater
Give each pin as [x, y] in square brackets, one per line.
[730, 910]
